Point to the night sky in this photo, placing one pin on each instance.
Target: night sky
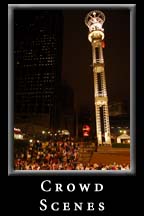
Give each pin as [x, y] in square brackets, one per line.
[77, 55]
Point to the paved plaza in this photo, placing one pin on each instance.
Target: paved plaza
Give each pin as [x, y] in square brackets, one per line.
[108, 155]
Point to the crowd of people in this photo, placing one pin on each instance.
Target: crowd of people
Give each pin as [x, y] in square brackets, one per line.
[95, 166]
[56, 155]
[52, 155]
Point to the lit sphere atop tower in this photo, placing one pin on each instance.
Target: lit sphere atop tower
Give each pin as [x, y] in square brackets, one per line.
[94, 21]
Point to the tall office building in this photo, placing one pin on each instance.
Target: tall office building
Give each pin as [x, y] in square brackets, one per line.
[37, 65]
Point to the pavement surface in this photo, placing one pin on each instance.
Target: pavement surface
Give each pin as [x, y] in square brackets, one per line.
[106, 155]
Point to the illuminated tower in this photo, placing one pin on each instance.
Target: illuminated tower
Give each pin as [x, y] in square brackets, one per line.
[94, 21]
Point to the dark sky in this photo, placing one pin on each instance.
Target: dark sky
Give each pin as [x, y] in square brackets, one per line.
[77, 55]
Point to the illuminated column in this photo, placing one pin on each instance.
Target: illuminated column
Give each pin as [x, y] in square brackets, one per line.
[94, 21]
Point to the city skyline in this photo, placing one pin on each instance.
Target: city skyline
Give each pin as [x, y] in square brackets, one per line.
[76, 56]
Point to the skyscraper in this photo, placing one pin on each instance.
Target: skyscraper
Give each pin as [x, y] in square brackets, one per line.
[37, 65]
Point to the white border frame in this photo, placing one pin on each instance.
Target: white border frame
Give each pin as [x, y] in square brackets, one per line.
[132, 171]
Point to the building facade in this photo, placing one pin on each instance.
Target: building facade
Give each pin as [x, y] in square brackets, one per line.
[37, 66]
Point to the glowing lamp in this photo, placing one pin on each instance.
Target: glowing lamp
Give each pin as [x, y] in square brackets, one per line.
[103, 44]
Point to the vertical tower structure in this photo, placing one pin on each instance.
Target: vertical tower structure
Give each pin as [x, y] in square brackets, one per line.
[94, 21]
